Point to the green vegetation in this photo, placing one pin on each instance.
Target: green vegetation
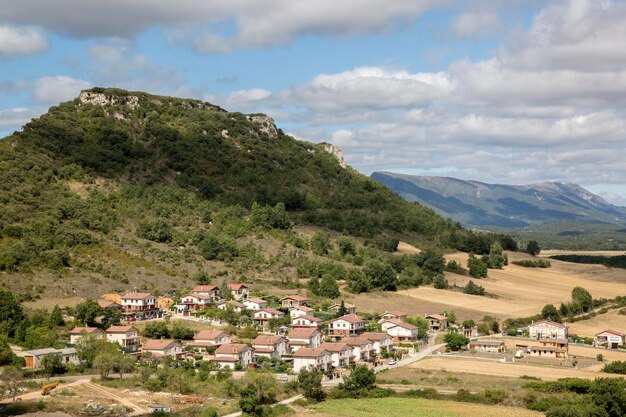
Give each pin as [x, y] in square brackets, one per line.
[618, 261]
[617, 367]
[532, 247]
[455, 341]
[528, 263]
[477, 268]
[473, 289]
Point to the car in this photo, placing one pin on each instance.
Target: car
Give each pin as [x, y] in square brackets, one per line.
[392, 362]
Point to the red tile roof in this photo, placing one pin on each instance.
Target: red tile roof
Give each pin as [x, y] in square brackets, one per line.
[120, 329]
[236, 287]
[295, 297]
[137, 295]
[350, 318]
[310, 353]
[205, 288]
[231, 348]
[88, 330]
[302, 333]
[268, 339]
[159, 344]
[209, 334]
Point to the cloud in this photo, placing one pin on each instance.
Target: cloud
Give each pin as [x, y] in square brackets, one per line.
[203, 23]
[53, 90]
[13, 118]
[16, 41]
[475, 24]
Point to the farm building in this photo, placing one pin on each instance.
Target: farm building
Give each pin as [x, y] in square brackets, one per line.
[610, 339]
[547, 352]
[33, 358]
[488, 346]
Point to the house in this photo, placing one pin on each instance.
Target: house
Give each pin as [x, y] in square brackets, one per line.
[348, 325]
[557, 343]
[487, 346]
[77, 332]
[436, 322]
[381, 342]
[231, 354]
[255, 304]
[192, 302]
[33, 358]
[270, 346]
[236, 306]
[340, 354]
[304, 337]
[208, 338]
[300, 311]
[547, 329]
[548, 352]
[362, 347]
[312, 357]
[610, 339]
[141, 305]
[162, 348]
[294, 301]
[126, 336]
[263, 316]
[394, 315]
[109, 305]
[401, 331]
[306, 321]
[239, 291]
[211, 291]
[348, 307]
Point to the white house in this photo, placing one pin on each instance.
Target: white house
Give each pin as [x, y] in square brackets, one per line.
[306, 321]
[311, 357]
[348, 325]
[270, 346]
[126, 336]
[140, 305]
[236, 306]
[239, 291]
[294, 301]
[193, 302]
[361, 346]
[231, 354]
[304, 337]
[33, 358]
[263, 316]
[546, 329]
[610, 339]
[381, 342]
[436, 322]
[255, 304]
[212, 291]
[401, 331]
[78, 332]
[348, 307]
[162, 348]
[208, 338]
[300, 311]
[340, 353]
[394, 315]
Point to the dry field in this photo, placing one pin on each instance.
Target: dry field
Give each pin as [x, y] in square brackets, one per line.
[546, 253]
[406, 249]
[601, 322]
[517, 291]
[495, 368]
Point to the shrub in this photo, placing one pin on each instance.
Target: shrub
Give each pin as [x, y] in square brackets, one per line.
[617, 367]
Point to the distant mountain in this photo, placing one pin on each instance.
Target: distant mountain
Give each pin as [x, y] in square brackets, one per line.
[476, 204]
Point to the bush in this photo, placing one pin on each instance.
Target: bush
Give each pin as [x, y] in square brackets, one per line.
[617, 367]
[527, 263]
[473, 289]
[477, 268]
[455, 267]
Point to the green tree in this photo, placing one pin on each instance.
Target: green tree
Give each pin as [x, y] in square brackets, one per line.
[440, 282]
[610, 395]
[6, 354]
[52, 364]
[158, 230]
[270, 217]
[473, 289]
[310, 382]
[582, 298]
[105, 363]
[468, 324]
[12, 379]
[88, 347]
[381, 275]
[497, 259]
[320, 243]
[577, 409]
[549, 312]
[249, 402]
[11, 313]
[87, 312]
[357, 281]
[156, 330]
[455, 341]
[328, 287]
[476, 266]
[210, 412]
[361, 378]
[56, 317]
[124, 364]
[533, 248]
[346, 246]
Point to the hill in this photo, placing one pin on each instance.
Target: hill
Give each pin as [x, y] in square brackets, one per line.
[477, 204]
[118, 190]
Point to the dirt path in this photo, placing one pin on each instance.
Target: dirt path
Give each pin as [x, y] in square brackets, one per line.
[124, 401]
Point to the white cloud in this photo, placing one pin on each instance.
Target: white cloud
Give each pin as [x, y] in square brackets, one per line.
[475, 24]
[16, 41]
[13, 118]
[55, 89]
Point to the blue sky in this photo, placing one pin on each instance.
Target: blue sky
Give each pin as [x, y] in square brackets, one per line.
[516, 91]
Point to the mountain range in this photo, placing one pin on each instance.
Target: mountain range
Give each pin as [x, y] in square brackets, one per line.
[478, 204]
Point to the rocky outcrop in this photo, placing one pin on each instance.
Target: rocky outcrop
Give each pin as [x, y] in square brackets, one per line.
[100, 99]
[265, 123]
[336, 152]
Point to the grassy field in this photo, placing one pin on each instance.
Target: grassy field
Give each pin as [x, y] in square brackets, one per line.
[494, 368]
[401, 407]
[589, 328]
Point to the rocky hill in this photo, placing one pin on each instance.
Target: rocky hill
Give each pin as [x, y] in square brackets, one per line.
[119, 190]
[479, 204]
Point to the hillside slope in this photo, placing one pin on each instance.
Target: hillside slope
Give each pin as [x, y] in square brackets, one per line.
[125, 189]
[475, 203]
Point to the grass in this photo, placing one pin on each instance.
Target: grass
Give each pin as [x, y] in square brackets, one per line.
[401, 407]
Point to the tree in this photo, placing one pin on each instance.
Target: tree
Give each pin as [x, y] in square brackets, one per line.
[124, 364]
[346, 246]
[357, 281]
[496, 257]
[578, 409]
[610, 395]
[477, 267]
[468, 324]
[56, 317]
[422, 325]
[549, 312]
[270, 217]
[105, 363]
[112, 317]
[473, 289]
[249, 402]
[12, 379]
[52, 364]
[310, 382]
[582, 298]
[342, 309]
[87, 312]
[156, 330]
[381, 275]
[6, 354]
[210, 412]
[11, 313]
[88, 347]
[440, 282]
[320, 243]
[455, 341]
[533, 248]
[328, 287]
[361, 378]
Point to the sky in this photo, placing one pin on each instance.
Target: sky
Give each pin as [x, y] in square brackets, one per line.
[500, 91]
